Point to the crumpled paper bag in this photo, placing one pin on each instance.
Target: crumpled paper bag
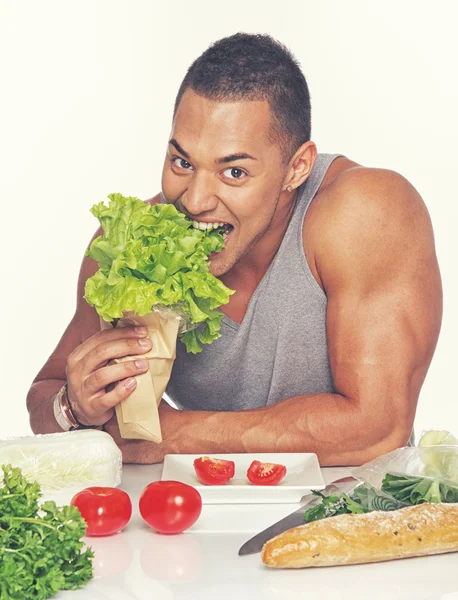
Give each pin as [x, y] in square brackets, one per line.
[138, 415]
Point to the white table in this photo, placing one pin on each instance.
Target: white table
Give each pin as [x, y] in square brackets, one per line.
[203, 563]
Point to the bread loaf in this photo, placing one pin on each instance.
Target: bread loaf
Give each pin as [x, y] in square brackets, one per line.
[363, 538]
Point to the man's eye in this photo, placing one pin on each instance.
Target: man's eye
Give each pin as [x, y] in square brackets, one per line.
[181, 163]
[234, 173]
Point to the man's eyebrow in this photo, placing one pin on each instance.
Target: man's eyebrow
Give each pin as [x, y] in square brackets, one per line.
[176, 145]
[234, 157]
[226, 159]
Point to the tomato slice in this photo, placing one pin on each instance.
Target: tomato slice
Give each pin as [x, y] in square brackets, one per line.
[265, 473]
[214, 471]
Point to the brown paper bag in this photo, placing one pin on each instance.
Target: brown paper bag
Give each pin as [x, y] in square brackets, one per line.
[138, 416]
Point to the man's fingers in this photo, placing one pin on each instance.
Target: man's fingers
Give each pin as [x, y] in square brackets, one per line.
[103, 404]
[100, 379]
[107, 335]
[89, 372]
[106, 351]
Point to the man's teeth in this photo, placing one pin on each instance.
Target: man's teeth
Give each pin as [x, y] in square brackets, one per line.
[200, 225]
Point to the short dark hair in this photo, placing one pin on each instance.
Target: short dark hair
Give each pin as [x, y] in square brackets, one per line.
[255, 67]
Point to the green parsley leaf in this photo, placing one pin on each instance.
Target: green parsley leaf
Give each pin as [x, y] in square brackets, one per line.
[331, 506]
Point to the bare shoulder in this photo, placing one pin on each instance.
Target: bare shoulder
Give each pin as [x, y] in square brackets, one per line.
[372, 189]
[368, 216]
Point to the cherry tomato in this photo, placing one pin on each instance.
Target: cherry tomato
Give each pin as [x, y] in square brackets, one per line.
[265, 473]
[170, 506]
[214, 471]
[106, 510]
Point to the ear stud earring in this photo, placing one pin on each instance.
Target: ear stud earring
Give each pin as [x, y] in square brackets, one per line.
[290, 188]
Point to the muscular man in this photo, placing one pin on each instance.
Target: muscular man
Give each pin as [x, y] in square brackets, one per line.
[327, 340]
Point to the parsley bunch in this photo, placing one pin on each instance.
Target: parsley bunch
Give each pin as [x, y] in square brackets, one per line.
[40, 548]
[331, 506]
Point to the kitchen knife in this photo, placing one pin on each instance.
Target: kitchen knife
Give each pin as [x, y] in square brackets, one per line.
[296, 518]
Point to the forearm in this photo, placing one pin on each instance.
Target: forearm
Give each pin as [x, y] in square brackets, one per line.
[330, 425]
[40, 406]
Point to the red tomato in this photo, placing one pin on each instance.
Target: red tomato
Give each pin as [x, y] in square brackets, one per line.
[265, 473]
[170, 506]
[106, 510]
[214, 471]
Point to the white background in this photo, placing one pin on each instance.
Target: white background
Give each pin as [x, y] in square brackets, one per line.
[86, 97]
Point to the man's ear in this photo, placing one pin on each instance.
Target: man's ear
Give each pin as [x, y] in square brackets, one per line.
[300, 166]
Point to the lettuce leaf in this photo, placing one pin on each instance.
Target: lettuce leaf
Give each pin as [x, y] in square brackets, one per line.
[151, 255]
[439, 453]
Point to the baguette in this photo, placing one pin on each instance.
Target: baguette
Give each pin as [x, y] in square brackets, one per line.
[365, 538]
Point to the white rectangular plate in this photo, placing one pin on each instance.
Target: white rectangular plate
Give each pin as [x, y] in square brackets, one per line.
[302, 475]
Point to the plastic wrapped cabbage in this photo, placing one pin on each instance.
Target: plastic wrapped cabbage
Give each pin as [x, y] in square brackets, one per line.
[65, 463]
[413, 475]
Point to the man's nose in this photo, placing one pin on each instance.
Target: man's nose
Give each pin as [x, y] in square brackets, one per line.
[200, 196]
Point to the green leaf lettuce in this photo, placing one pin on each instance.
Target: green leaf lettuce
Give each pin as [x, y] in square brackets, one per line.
[152, 256]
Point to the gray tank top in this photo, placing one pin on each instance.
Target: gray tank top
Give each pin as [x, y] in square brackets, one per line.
[280, 348]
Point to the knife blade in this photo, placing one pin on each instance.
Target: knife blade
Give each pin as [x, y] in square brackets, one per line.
[296, 518]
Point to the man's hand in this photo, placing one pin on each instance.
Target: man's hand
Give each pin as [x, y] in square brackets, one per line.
[89, 372]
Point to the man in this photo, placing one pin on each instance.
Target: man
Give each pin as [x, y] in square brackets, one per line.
[337, 306]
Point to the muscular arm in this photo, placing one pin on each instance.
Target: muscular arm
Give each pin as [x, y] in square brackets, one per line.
[52, 376]
[373, 254]
[84, 324]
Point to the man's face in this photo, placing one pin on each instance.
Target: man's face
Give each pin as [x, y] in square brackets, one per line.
[221, 167]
